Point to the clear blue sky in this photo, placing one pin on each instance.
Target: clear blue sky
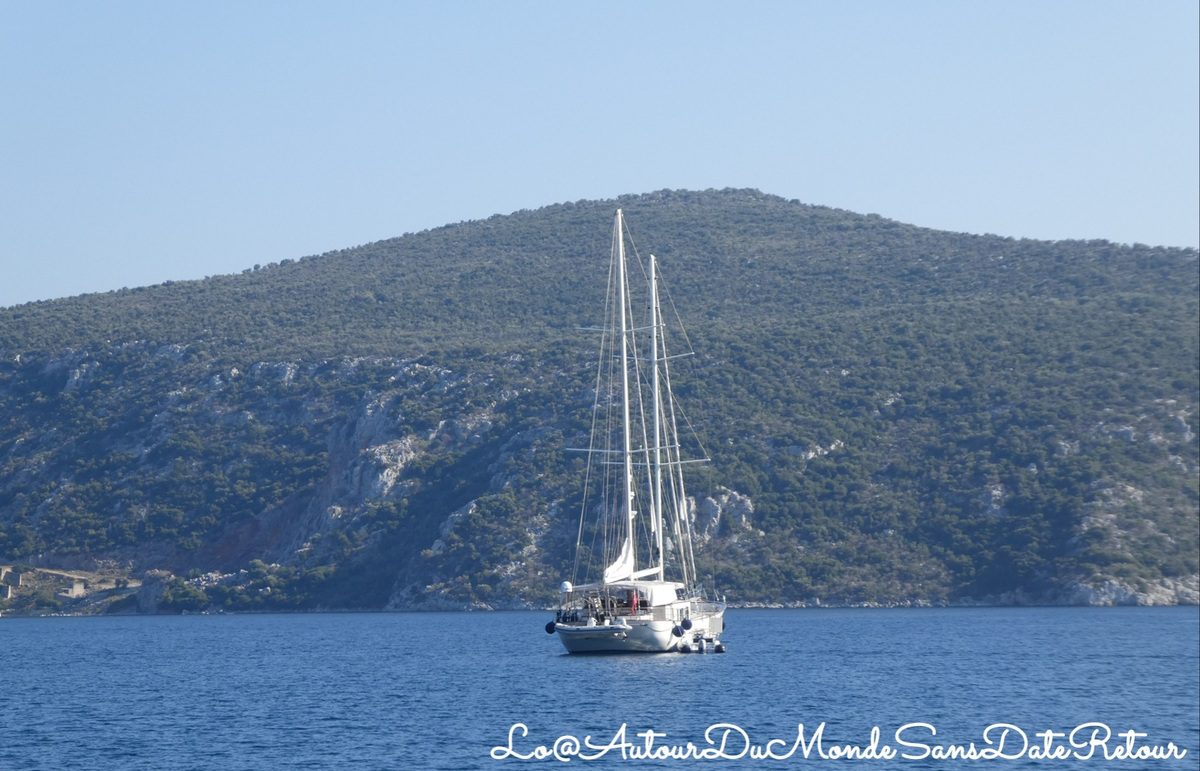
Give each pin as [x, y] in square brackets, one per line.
[145, 141]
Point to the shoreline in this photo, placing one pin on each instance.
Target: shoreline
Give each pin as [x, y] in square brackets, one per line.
[12, 614]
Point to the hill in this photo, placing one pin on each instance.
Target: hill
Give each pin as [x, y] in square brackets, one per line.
[895, 415]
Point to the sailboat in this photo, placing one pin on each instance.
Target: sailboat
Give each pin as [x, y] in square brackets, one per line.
[641, 590]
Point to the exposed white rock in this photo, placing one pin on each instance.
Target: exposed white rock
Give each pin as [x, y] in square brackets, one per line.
[467, 429]
[1111, 591]
[816, 450]
[173, 351]
[993, 498]
[726, 515]
[373, 425]
[1118, 495]
[1180, 424]
[455, 517]
[283, 371]
[80, 375]
[390, 460]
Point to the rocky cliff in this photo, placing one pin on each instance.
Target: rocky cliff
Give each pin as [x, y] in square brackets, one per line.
[895, 416]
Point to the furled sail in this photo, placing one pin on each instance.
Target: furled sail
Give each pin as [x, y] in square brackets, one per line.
[622, 568]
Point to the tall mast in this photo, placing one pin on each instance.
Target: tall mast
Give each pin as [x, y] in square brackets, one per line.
[626, 448]
[656, 496]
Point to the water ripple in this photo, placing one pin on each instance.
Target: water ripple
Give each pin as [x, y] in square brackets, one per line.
[401, 691]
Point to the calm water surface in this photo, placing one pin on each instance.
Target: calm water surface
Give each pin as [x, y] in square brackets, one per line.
[400, 691]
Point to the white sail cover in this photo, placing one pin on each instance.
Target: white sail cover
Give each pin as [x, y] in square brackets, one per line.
[622, 568]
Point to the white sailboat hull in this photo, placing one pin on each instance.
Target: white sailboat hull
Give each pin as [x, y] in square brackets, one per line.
[635, 637]
[679, 626]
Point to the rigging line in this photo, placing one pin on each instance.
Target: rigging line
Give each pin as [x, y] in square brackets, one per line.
[676, 404]
[692, 430]
[675, 312]
[640, 381]
[677, 443]
[637, 255]
[592, 431]
[625, 312]
[686, 547]
[687, 525]
[637, 524]
[678, 511]
[670, 439]
[607, 520]
[679, 405]
[679, 508]
[656, 388]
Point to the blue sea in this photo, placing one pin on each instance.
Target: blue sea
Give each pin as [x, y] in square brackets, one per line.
[453, 690]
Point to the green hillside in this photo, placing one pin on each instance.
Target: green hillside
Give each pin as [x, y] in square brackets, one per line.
[895, 415]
